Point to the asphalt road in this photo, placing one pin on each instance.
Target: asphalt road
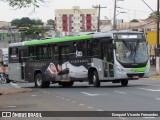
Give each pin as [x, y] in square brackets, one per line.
[140, 95]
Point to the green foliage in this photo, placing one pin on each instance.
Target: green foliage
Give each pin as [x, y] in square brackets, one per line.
[32, 32]
[134, 20]
[153, 15]
[50, 22]
[23, 3]
[25, 22]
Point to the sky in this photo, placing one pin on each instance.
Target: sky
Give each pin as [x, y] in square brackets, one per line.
[134, 9]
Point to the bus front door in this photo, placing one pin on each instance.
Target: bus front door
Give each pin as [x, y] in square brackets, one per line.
[22, 60]
[107, 54]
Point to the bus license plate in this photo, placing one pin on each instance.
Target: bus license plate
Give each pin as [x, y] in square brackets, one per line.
[136, 76]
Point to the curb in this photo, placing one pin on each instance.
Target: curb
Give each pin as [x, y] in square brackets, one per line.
[7, 91]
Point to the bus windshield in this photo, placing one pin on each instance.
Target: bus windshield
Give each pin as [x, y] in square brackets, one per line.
[131, 51]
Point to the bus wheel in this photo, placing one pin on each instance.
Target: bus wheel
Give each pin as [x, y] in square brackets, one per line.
[67, 84]
[96, 81]
[39, 83]
[124, 82]
[90, 78]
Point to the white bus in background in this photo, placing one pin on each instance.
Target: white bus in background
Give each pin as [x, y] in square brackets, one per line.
[4, 56]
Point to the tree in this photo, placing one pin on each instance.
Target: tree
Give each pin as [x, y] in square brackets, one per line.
[38, 22]
[134, 20]
[31, 33]
[25, 22]
[51, 22]
[153, 15]
[23, 3]
[15, 22]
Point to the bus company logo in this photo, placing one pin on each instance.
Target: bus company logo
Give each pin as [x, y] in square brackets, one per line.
[6, 114]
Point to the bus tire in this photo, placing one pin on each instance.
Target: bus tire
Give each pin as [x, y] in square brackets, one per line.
[96, 81]
[39, 83]
[90, 78]
[124, 82]
[67, 84]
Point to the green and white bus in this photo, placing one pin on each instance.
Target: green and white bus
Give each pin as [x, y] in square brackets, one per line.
[112, 56]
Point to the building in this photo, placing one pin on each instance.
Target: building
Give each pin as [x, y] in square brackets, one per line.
[8, 33]
[105, 25]
[4, 24]
[76, 20]
[142, 25]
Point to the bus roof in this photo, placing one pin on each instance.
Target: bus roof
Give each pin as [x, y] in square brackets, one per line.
[16, 44]
[55, 40]
[65, 39]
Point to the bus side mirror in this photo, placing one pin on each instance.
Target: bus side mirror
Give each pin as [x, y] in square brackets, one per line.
[114, 46]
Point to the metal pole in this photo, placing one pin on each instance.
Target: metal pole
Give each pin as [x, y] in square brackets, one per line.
[98, 22]
[98, 19]
[114, 17]
[157, 23]
[157, 51]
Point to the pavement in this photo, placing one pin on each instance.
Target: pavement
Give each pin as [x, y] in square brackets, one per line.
[9, 89]
[6, 91]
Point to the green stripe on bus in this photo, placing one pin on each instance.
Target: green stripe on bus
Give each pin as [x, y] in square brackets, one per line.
[142, 69]
[47, 41]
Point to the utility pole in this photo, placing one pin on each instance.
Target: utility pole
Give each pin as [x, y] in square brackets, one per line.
[99, 11]
[158, 46]
[114, 17]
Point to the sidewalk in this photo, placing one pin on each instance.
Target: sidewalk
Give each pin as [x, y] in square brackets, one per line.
[6, 91]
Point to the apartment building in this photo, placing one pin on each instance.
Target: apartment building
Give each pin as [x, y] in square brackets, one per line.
[76, 20]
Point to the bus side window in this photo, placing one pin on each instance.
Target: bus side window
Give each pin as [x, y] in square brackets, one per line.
[64, 53]
[23, 55]
[31, 53]
[93, 47]
[13, 57]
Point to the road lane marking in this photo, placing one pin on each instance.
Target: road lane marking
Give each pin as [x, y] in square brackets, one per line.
[90, 94]
[68, 99]
[73, 101]
[34, 95]
[120, 92]
[152, 90]
[11, 106]
[157, 98]
[81, 104]
[62, 98]
[90, 107]
[15, 85]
